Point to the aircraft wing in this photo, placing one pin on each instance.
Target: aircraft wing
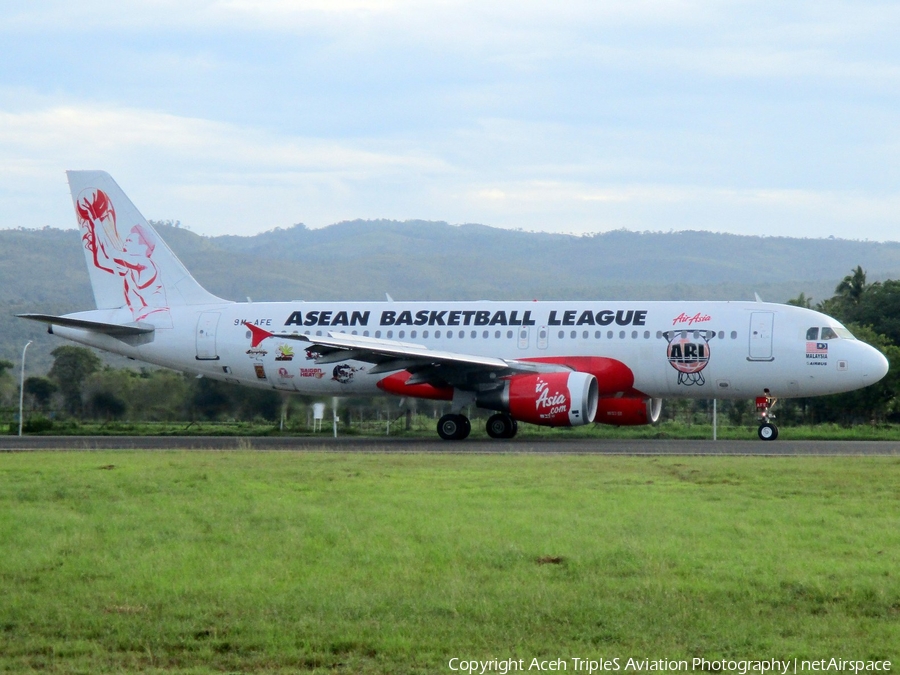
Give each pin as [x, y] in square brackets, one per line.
[428, 366]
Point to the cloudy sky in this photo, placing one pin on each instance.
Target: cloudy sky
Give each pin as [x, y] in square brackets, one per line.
[238, 116]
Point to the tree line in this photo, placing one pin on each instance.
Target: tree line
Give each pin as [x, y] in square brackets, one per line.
[79, 386]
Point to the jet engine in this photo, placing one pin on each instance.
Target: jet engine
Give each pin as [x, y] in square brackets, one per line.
[564, 399]
[628, 412]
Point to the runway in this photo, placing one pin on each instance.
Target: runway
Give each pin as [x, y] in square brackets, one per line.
[578, 446]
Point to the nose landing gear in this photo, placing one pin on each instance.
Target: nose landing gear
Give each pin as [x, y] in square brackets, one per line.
[767, 430]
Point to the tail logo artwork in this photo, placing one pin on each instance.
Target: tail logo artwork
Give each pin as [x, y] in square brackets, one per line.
[129, 258]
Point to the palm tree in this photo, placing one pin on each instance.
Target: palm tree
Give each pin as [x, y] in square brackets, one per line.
[853, 286]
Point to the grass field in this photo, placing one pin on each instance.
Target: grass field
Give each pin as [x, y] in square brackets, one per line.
[425, 427]
[283, 562]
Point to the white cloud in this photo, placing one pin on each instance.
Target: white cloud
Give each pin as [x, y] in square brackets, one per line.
[240, 115]
[184, 158]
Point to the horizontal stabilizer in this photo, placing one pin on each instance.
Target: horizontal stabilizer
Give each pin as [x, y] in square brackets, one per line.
[115, 330]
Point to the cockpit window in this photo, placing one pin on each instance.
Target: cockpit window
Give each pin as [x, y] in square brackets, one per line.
[843, 333]
[835, 332]
[812, 333]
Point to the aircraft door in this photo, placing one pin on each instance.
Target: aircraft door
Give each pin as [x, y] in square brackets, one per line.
[524, 335]
[761, 325]
[206, 336]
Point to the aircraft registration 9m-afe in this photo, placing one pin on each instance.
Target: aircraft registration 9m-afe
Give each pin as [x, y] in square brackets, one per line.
[548, 363]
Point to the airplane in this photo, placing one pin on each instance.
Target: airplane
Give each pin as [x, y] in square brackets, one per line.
[558, 364]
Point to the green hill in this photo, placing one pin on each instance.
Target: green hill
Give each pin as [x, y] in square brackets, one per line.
[44, 270]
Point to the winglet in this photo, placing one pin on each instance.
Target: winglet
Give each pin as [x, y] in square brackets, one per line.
[257, 334]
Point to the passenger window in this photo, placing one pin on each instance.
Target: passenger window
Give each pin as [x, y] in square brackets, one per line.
[609, 334]
[401, 334]
[621, 334]
[812, 333]
[485, 334]
[734, 335]
[390, 334]
[721, 334]
[646, 334]
[573, 335]
[828, 334]
[378, 333]
[412, 334]
[634, 335]
[496, 334]
[562, 334]
[509, 335]
[437, 333]
[425, 334]
[596, 334]
[585, 335]
[474, 334]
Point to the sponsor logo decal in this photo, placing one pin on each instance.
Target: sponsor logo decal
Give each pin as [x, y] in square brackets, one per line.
[317, 373]
[343, 373]
[256, 353]
[284, 353]
[688, 353]
[284, 374]
[260, 371]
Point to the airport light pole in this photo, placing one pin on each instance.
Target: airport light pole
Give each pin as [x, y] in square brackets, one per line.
[22, 387]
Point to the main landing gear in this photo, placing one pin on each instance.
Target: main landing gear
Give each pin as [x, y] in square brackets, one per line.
[501, 425]
[767, 430]
[455, 427]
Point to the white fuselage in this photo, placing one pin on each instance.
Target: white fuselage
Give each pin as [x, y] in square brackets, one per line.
[674, 349]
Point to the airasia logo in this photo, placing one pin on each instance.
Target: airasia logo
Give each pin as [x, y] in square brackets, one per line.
[548, 404]
[691, 320]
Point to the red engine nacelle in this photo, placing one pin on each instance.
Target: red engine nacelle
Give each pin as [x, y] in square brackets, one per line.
[565, 399]
[628, 412]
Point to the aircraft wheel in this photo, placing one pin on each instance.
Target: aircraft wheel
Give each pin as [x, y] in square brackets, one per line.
[501, 425]
[453, 427]
[767, 432]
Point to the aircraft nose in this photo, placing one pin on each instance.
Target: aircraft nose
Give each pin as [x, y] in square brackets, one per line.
[875, 365]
